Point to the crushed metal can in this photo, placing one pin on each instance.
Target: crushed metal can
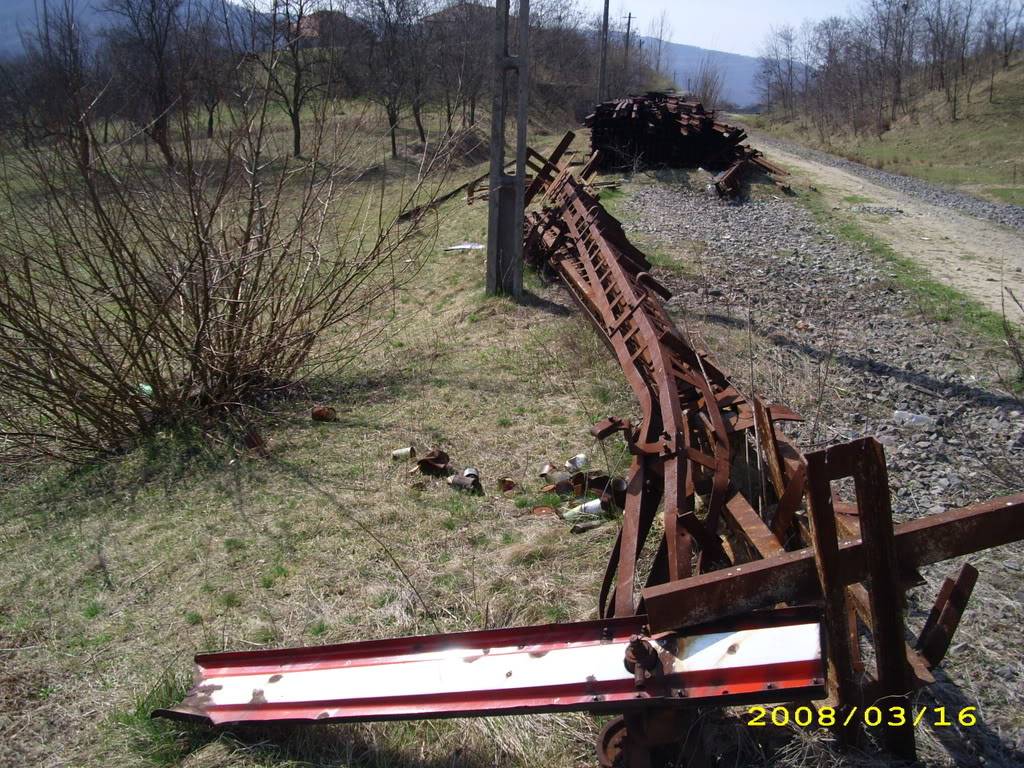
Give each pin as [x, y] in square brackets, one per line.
[577, 462]
[463, 483]
[560, 483]
[434, 463]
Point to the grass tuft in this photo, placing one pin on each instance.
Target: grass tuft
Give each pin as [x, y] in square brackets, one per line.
[158, 741]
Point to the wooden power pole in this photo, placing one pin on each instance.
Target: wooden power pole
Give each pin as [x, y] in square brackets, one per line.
[602, 80]
[505, 202]
[625, 62]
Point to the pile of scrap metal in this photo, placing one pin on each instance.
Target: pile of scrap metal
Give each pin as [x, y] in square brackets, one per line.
[763, 579]
[664, 129]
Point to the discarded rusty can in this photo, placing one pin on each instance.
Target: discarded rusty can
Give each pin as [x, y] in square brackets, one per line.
[255, 442]
[434, 463]
[408, 452]
[506, 484]
[324, 413]
[546, 470]
[577, 462]
[560, 483]
[585, 481]
[464, 483]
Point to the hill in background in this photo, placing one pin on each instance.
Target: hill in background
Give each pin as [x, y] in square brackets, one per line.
[19, 16]
[679, 61]
[739, 72]
[981, 152]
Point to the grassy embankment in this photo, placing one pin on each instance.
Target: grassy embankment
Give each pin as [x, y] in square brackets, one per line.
[115, 574]
[982, 152]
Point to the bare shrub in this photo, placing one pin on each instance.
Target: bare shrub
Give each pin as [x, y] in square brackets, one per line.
[708, 82]
[134, 296]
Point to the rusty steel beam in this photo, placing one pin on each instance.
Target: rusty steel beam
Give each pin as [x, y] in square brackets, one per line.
[944, 618]
[791, 577]
[594, 666]
[692, 415]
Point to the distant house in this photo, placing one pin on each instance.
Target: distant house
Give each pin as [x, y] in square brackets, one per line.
[332, 29]
[473, 16]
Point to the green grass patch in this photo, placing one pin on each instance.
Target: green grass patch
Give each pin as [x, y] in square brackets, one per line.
[158, 741]
[855, 199]
[1011, 195]
[318, 628]
[539, 500]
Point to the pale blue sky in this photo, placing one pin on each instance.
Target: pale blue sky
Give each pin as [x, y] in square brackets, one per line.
[738, 26]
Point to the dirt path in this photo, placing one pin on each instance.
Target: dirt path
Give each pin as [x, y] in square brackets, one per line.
[973, 255]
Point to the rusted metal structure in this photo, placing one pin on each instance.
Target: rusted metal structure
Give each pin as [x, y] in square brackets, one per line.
[665, 129]
[760, 584]
[748, 520]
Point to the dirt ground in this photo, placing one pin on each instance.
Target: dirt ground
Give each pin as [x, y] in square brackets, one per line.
[975, 256]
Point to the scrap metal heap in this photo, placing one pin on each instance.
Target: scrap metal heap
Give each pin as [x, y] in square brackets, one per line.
[662, 128]
[763, 579]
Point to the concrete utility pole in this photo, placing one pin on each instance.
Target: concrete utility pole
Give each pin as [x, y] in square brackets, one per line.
[625, 63]
[505, 203]
[602, 82]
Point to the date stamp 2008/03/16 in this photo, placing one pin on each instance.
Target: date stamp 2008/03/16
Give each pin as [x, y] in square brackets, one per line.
[872, 716]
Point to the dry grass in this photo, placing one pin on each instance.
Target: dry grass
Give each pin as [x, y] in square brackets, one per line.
[115, 574]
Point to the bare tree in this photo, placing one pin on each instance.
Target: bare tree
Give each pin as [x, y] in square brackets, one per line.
[151, 29]
[1009, 15]
[390, 22]
[213, 75]
[708, 81]
[460, 54]
[284, 42]
[777, 72]
[59, 88]
[661, 31]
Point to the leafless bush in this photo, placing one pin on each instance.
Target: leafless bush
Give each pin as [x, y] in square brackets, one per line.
[708, 82]
[134, 296]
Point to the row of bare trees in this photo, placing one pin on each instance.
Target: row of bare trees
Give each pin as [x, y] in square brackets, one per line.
[865, 70]
[151, 59]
